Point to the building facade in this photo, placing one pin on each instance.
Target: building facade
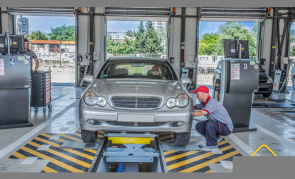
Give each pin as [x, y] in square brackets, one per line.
[22, 26]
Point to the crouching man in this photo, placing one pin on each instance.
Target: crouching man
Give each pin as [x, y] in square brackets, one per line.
[219, 122]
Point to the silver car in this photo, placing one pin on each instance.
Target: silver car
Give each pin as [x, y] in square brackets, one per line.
[136, 95]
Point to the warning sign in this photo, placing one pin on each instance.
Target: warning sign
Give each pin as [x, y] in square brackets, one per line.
[1, 66]
[235, 71]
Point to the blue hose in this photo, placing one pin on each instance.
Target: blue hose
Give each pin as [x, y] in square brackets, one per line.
[121, 167]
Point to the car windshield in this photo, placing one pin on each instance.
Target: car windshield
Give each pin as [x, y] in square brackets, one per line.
[137, 69]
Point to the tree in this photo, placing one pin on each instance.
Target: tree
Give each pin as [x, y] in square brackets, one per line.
[38, 35]
[292, 46]
[139, 39]
[207, 43]
[130, 33]
[231, 30]
[66, 33]
[152, 40]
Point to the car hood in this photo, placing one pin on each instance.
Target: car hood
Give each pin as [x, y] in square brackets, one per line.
[126, 87]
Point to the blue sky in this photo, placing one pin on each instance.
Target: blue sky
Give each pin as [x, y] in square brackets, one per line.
[43, 23]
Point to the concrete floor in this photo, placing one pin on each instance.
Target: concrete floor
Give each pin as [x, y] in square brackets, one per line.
[63, 118]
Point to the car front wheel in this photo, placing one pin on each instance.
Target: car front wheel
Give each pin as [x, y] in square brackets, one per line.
[88, 136]
[182, 139]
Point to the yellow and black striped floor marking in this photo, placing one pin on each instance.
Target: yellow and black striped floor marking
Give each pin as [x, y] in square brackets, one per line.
[61, 160]
[197, 161]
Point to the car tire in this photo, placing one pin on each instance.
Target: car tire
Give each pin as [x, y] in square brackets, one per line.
[266, 95]
[88, 136]
[182, 139]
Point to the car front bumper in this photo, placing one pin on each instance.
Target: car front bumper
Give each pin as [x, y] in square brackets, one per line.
[265, 88]
[107, 115]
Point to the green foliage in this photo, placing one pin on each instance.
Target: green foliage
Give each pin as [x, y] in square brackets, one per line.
[207, 43]
[292, 39]
[66, 33]
[235, 29]
[36, 36]
[130, 34]
[152, 40]
[212, 44]
[144, 40]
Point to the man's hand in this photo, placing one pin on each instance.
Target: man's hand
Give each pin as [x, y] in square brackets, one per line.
[199, 113]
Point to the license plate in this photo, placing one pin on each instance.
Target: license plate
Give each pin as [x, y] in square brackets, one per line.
[136, 118]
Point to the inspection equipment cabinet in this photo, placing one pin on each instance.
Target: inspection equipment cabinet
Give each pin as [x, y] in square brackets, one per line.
[41, 90]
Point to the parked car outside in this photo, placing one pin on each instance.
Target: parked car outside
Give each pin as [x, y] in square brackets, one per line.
[265, 82]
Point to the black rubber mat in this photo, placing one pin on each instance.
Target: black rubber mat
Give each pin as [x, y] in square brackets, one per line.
[275, 105]
[272, 105]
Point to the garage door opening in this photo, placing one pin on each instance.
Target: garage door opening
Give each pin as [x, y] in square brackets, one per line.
[211, 45]
[137, 39]
[292, 54]
[52, 38]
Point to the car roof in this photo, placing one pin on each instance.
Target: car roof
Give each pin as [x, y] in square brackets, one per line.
[136, 58]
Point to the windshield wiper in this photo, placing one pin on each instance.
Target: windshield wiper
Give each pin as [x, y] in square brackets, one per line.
[118, 76]
[158, 77]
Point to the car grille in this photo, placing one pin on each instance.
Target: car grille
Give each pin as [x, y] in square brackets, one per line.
[136, 102]
[136, 124]
[262, 81]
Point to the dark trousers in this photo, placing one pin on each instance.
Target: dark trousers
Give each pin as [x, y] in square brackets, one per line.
[211, 130]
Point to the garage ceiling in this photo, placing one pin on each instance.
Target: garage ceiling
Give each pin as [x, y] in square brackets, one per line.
[234, 13]
[138, 13]
[65, 11]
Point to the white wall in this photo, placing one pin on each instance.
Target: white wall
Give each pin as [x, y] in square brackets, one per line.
[190, 37]
[99, 32]
[6, 22]
[266, 40]
[99, 26]
[266, 43]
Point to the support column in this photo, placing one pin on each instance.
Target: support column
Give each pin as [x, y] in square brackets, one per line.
[182, 44]
[91, 47]
[272, 66]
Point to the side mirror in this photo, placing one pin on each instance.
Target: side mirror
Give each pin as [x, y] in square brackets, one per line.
[186, 80]
[88, 78]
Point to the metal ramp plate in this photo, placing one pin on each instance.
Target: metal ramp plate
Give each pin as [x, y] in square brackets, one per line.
[188, 147]
[79, 145]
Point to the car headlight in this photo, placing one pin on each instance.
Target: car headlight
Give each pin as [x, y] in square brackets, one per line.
[91, 99]
[180, 101]
[269, 80]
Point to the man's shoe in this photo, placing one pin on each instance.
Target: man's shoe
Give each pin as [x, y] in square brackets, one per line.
[210, 148]
[219, 138]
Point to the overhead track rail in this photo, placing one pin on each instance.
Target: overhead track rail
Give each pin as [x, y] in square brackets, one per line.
[138, 13]
[234, 12]
[41, 10]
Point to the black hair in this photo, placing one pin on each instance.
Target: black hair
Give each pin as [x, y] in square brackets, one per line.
[26, 40]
